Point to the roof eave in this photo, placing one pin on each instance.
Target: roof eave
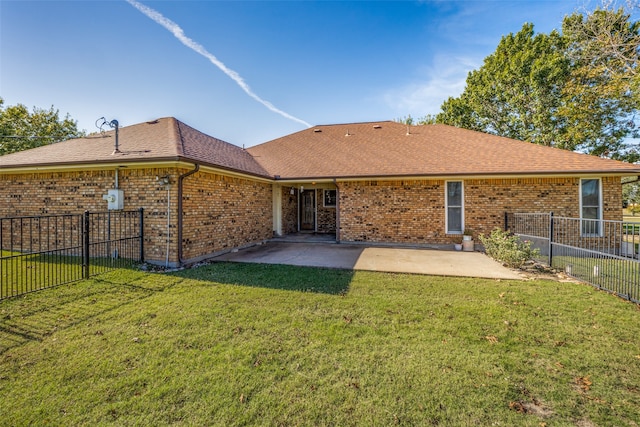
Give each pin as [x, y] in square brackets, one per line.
[466, 175]
[46, 167]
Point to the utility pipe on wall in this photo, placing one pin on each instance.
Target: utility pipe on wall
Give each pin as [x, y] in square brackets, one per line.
[180, 182]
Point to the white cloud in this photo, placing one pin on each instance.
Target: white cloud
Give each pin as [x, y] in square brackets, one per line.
[445, 77]
[196, 47]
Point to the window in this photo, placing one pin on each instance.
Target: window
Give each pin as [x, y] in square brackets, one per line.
[454, 205]
[590, 206]
[329, 198]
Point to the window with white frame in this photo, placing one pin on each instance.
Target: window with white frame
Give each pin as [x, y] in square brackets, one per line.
[454, 206]
[591, 206]
[329, 198]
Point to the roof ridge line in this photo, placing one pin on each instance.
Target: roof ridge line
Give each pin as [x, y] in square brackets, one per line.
[181, 148]
[355, 123]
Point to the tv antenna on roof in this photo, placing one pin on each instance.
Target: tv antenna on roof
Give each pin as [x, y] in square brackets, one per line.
[113, 124]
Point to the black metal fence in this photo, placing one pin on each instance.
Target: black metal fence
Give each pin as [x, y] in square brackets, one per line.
[602, 253]
[40, 252]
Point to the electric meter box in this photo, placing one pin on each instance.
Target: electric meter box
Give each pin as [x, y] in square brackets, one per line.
[115, 199]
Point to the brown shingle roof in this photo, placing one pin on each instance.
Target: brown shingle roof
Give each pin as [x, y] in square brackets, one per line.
[162, 139]
[333, 151]
[387, 149]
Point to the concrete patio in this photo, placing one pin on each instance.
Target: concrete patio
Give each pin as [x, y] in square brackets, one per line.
[371, 258]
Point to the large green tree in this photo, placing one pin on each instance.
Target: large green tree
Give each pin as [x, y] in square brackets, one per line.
[517, 91]
[21, 129]
[577, 90]
[602, 96]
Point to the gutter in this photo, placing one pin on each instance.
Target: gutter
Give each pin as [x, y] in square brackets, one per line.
[462, 175]
[180, 181]
[140, 162]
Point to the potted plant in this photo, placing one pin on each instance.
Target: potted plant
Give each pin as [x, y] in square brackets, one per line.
[467, 234]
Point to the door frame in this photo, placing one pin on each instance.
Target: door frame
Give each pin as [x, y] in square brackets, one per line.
[315, 211]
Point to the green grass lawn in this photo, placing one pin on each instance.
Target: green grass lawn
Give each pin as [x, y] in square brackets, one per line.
[21, 273]
[248, 344]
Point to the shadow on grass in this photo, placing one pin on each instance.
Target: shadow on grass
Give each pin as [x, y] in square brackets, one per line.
[273, 276]
[34, 316]
[24, 273]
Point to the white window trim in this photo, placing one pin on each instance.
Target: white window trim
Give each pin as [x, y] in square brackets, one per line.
[600, 209]
[446, 209]
[324, 192]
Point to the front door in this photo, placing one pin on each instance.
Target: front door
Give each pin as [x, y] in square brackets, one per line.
[308, 210]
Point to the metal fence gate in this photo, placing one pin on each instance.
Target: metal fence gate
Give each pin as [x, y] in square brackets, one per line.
[39, 252]
[602, 253]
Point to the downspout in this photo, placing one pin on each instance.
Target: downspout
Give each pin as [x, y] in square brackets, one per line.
[180, 180]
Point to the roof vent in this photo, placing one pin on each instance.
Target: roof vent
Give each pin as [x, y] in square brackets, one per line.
[112, 124]
[347, 134]
[317, 130]
[377, 126]
[153, 122]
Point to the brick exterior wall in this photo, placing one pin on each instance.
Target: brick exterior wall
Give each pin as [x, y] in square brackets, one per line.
[413, 211]
[74, 192]
[289, 210]
[392, 211]
[222, 212]
[326, 215]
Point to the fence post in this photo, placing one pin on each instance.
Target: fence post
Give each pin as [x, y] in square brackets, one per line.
[85, 244]
[551, 239]
[506, 221]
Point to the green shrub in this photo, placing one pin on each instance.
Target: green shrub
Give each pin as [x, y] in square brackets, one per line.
[508, 248]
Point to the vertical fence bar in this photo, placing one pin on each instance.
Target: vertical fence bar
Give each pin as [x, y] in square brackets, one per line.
[66, 248]
[551, 239]
[85, 246]
[607, 259]
[108, 239]
[141, 232]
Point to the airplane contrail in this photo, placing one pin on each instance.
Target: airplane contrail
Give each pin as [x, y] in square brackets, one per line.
[198, 48]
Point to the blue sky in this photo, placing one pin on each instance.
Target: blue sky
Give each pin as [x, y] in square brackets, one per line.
[314, 62]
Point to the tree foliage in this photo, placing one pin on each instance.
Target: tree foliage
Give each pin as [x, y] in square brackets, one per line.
[428, 119]
[21, 129]
[517, 91]
[602, 95]
[631, 195]
[577, 90]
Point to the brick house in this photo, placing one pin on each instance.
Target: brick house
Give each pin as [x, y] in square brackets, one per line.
[381, 182]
